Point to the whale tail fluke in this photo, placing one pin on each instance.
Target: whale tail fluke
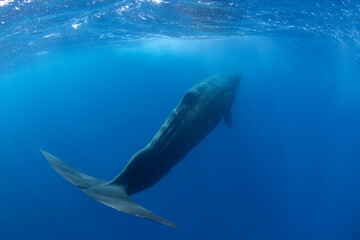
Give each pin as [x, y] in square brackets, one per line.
[72, 175]
[112, 195]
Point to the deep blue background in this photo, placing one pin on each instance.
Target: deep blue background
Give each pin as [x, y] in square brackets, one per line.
[289, 168]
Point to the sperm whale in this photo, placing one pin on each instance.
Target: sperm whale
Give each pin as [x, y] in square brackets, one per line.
[197, 114]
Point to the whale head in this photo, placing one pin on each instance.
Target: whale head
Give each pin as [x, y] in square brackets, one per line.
[215, 94]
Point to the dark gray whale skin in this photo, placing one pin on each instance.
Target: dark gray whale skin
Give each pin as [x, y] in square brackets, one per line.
[198, 113]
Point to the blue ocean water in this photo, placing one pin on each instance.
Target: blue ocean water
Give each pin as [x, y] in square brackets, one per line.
[91, 82]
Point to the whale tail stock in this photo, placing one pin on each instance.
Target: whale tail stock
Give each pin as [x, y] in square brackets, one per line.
[112, 195]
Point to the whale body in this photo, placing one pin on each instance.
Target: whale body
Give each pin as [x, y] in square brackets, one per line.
[197, 114]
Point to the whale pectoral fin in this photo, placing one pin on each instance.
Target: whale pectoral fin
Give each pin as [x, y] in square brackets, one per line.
[72, 175]
[114, 196]
[228, 118]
